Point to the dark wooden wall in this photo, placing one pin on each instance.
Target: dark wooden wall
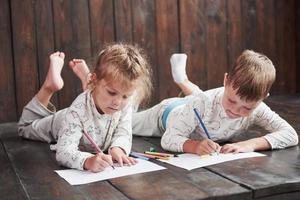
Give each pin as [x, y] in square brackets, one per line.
[212, 32]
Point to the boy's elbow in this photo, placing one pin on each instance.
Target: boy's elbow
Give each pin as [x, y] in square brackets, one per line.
[295, 137]
[163, 144]
[296, 141]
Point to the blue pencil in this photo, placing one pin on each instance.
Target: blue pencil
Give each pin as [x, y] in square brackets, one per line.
[137, 155]
[201, 123]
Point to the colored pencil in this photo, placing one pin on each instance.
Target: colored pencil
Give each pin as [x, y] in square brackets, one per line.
[137, 155]
[159, 154]
[203, 126]
[98, 150]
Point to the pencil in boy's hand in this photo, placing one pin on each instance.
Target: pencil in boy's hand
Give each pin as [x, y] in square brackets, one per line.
[203, 127]
[201, 123]
[94, 144]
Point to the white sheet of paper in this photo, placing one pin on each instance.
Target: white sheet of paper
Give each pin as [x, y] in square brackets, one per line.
[192, 161]
[77, 177]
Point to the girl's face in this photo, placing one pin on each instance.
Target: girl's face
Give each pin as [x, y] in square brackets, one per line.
[111, 97]
[234, 106]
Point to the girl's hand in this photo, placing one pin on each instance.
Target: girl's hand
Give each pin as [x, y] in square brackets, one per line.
[206, 146]
[98, 162]
[235, 148]
[118, 155]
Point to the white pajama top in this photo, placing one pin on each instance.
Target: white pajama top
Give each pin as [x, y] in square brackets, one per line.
[73, 148]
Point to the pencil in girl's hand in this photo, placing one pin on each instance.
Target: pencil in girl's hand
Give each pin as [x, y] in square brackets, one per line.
[93, 144]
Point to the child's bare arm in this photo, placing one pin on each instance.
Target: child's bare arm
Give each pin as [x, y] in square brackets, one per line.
[255, 144]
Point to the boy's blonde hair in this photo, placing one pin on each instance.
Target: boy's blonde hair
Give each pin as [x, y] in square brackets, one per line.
[252, 76]
[126, 64]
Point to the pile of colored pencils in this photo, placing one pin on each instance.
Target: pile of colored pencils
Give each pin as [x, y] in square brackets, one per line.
[152, 155]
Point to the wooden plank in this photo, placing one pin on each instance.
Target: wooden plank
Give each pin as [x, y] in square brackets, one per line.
[72, 36]
[101, 190]
[285, 37]
[266, 28]
[24, 50]
[10, 185]
[123, 20]
[102, 24]
[216, 45]
[266, 32]
[235, 40]
[249, 24]
[193, 40]
[297, 8]
[176, 183]
[45, 39]
[8, 106]
[199, 184]
[167, 44]
[144, 29]
[277, 173]
[285, 196]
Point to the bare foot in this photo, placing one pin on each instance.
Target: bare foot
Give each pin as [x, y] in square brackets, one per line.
[53, 81]
[81, 70]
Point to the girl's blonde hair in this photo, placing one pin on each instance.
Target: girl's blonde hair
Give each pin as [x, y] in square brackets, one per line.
[252, 76]
[126, 64]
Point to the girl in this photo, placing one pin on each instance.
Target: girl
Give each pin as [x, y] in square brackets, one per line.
[103, 110]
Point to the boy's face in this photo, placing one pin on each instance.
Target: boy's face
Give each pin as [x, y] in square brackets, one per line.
[234, 106]
[111, 97]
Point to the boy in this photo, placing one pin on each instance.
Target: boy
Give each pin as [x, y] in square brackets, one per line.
[225, 111]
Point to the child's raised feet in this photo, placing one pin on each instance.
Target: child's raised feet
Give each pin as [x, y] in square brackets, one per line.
[54, 81]
[178, 64]
[81, 70]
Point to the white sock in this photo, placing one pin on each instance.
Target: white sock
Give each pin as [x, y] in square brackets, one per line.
[178, 64]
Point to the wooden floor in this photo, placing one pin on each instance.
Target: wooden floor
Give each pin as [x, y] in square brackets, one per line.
[27, 172]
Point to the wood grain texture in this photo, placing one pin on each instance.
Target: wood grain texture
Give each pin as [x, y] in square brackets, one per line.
[235, 40]
[216, 46]
[102, 25]
[24, 51]
[45, 39]
[144, 27]
[167, 44]
[193, 37]
[8, 103]
[123, 20]
[285, 37]
[72, 36]
[297, 6]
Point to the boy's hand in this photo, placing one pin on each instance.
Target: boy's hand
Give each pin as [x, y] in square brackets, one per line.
[207, 146]
[202, 147]
[235, 148]
[98, 162]
[118, 155]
